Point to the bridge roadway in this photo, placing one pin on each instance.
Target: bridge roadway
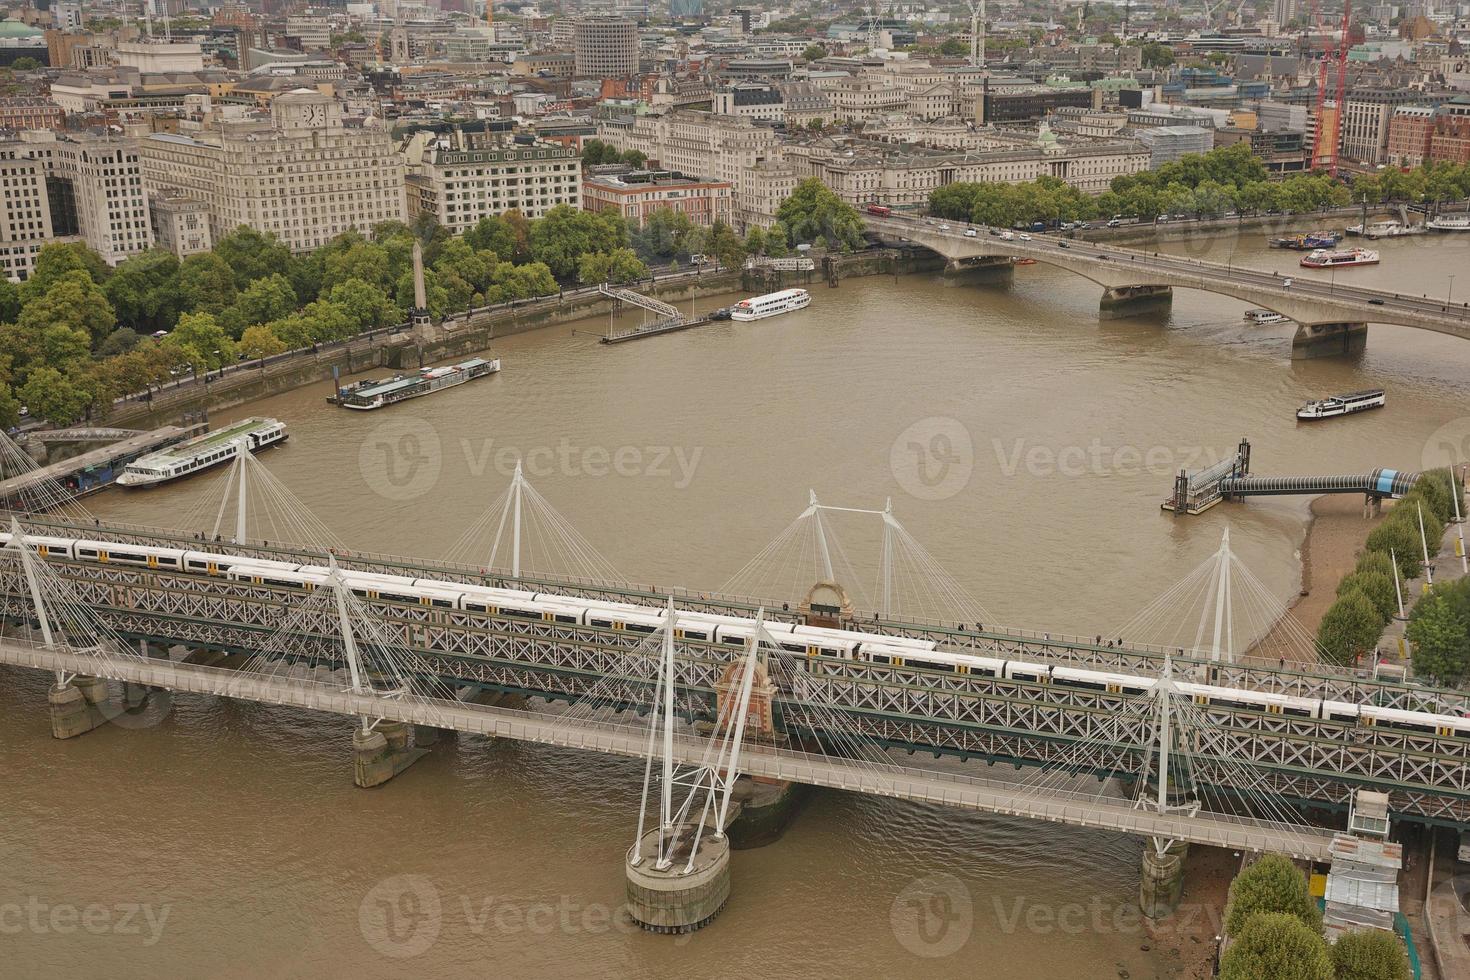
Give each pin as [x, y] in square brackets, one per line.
[989, 640]
[898, 782]
[1312, 303]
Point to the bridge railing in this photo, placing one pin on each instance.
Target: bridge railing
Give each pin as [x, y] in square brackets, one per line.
[883, 778]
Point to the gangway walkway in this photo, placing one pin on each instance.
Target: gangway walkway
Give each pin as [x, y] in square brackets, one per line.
[898, 782]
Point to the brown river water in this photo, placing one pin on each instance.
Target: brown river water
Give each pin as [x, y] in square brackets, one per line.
[1025, 443]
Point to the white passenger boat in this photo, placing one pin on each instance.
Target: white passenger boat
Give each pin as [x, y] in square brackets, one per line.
[1334, 405]
[771, 304]
[1449, 222]
[202, 452]
[1264, 316]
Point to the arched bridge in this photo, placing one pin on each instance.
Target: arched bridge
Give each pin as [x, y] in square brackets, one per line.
[1331, 318]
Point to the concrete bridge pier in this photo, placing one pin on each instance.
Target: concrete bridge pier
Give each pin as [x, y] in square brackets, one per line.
[984, 270]
[1328, 340]
[762, 810]
[384, 752]
[1123, 301]
[1162, 880]
[671, 900]
[77, 706]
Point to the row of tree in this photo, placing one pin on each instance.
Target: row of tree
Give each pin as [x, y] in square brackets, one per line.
[1368, 598]
[1230, 179]
[1276, 931]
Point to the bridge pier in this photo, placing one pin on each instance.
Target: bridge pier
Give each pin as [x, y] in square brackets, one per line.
[762, 810]
[76, 706]
[1162, 880]
[667, 899]
[985, 270]
[381, 754]
[1123, 301]
[1328, 340]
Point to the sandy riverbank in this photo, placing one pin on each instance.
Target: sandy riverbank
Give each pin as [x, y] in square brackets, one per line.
[1329, 551]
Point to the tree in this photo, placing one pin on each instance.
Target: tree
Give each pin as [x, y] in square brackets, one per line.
[778, 240]
[596, 153]
[1398, 536]
[144, 291]
[755, 241]
[1370, 955]
[813, 211]
[474, 266]
[1157, 55]
[367, 306]
[260, 341]
[199, 340]
[1272, 884]
[253, 255]
[206, 284]
[1376, 586]
[1350, 628]
[361, 260]
[1439, 629]
[262, 301]
[953, 47]
[618, 266]
[725, 245]
[524, 281]
[814, 52]
[9, 301]
[561, 238]
[120, 341]
[52, 396]
[1277, 946]
[9, 407]
[508, 235]
[56, 261]
[73, 301]
[25, 63]
[665, 235]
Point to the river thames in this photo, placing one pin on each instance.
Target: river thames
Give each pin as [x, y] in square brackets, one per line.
[1024, 442]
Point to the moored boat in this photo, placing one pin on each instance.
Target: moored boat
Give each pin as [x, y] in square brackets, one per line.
[771, 304]
[1264, 316]
[378, 392]
[1384, 229]
[1449, 222]
[1334, 405]
[203, 452]
[1324, 258]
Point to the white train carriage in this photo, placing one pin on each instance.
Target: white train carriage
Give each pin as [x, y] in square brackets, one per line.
[939, 660]
[1020, 670]
[44, 546]
[1229, 697]
[279, 574]
[1421, 722]
[139, 555]
[1097, 680]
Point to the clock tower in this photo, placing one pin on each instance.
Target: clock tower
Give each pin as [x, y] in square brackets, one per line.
[306, 110]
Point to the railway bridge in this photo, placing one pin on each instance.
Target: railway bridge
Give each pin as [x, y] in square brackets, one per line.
[1240, 764]
[1331, 317]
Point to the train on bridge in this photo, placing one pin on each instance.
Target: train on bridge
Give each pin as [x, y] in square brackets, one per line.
[832, 647]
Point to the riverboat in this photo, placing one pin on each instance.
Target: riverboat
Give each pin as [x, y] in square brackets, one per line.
[771, 304]
[203, 452]
[1335, 405]
[376, 393]
[1324, 258]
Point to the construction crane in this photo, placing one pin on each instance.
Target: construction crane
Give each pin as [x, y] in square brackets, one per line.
[977, 33]
[1325, 147]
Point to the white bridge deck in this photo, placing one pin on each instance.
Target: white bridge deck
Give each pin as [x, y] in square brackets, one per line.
[968, 792]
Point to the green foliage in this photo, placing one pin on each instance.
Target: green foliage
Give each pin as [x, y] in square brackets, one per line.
[9, 407]
[200, 341]
[253, 255]
[9, 301]
[73, 301]
[953, 47]
[1439, 629]
[666, 235]
[367, 306]
[508, 235]
[814, 211]
[1350, 627]
[561, 238]
[1443, 181]
[52, 396]
[618, 266]
[725, 245]
[25, 63]
[1398, 535]
[260, 341]
[1272, 884]
[120, 341]
[1377, 587]
[58, 260]
[597, 153]
[1276, 946]
[144, 291]
[814, 52]
[1003, 205]
[1157, 55]
[1370, 955]
[206, 284]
